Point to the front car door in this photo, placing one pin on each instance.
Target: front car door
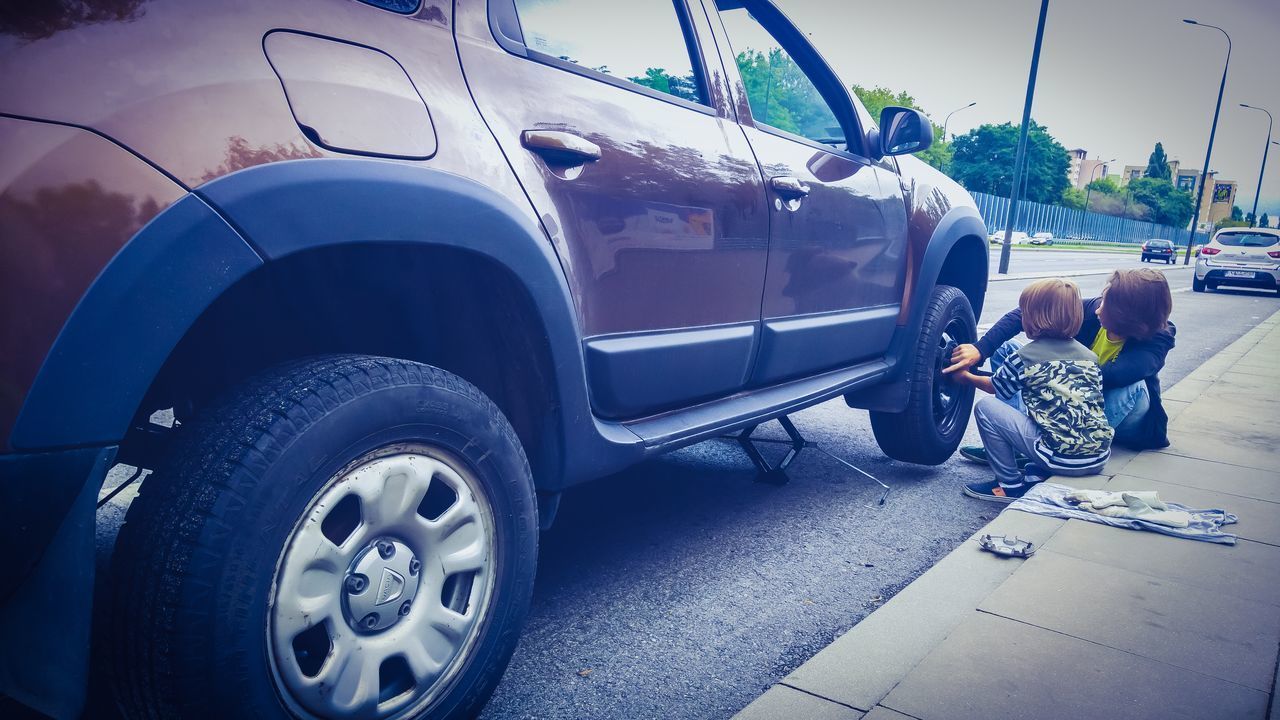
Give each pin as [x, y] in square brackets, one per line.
[838, 235]
[628, 149]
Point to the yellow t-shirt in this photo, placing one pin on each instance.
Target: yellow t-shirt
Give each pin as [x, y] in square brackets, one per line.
[1104, 348]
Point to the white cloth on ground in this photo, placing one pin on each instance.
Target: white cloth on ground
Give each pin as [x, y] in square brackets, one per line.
[1137, 504]
[1050, 499]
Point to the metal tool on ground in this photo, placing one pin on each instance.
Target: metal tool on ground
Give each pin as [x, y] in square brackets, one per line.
[777, 474]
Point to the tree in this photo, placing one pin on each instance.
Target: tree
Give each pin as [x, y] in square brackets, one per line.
[983, 161]
[1168, 204]
[1248, 219]
[1264, 221]
[1237, 214]
[1073, 198]
[1158, 164]
[876, 99]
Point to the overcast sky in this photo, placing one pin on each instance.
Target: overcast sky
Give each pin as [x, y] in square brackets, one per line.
[1115, 75]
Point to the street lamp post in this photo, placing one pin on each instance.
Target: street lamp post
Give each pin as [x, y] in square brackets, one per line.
[953, 112]
[1265, 148]
[1088, 190]
[1213, 129]
[1021, 159]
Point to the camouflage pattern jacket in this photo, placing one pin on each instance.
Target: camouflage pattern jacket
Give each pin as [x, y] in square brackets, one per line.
[1061, 386]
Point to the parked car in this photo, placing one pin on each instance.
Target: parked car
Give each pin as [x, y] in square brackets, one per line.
[364, 318]
[1244, 257]
[1042, 238]
[1156, 249]
[1017, 237]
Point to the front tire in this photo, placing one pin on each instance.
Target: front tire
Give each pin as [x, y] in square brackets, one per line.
[345, 537]
[931, 427]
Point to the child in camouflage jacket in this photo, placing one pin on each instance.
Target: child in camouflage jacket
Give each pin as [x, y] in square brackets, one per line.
[1064, 430]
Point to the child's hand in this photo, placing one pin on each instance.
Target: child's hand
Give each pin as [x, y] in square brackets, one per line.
[963, 357]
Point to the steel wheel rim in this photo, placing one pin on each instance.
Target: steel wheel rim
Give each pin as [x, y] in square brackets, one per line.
[948, 395]
[401, 666]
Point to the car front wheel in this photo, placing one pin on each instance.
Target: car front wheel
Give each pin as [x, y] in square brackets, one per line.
[347, 537]
[929, 430]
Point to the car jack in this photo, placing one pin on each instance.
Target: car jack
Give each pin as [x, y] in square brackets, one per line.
[777, 474]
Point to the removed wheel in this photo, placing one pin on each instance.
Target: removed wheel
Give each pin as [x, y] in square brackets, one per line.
[348, 537]
[929, 430]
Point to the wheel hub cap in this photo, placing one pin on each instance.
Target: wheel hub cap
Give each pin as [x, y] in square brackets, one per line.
[380, 585]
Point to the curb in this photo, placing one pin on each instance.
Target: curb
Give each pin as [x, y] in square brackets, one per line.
[1075, 273]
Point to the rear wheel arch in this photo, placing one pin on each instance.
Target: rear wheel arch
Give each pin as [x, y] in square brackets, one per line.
[131, 326]
[443, 306]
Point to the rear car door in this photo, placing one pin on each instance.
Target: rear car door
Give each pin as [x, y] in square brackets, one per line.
[628, 149]
[838, 232]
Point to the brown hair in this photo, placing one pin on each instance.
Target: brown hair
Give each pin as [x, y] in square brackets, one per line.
[1051, 308]
[1136, 303]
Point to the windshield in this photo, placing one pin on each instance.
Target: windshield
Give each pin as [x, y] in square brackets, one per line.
[1248, 239]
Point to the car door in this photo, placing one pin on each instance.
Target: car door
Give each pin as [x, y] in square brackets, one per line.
[629, 151]
[837, 241]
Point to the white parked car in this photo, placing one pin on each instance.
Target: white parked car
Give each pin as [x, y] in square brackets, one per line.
[1248, 257]
[1017, 238]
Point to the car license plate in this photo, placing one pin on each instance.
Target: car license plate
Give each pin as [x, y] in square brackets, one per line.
[1241, 274]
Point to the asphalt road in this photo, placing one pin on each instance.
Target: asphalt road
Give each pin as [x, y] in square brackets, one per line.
[682, 589]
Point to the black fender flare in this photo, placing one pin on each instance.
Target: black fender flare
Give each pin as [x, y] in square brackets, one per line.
[118, 338]
[956, 226]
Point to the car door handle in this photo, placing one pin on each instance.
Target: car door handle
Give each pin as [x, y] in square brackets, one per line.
[788, 187]
[559, 147]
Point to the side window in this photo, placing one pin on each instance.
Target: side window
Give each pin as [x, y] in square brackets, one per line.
[640, 41]
[779, 92]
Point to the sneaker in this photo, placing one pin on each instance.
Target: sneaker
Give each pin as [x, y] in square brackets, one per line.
[978, 454]
[994, 492]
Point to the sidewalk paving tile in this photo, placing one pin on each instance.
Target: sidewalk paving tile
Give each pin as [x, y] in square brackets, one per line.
[861, 666]
[1193, 628]
[992, 668]
[1246, 570]
[1218, 448]
[783, 703]
[1173, 408]
[1192, 472]
[1259, 519]
[1187, 390]
[881, 712]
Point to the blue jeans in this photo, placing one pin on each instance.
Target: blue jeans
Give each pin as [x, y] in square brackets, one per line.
[1125, 406]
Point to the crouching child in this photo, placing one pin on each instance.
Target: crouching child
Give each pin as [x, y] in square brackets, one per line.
[1064, 430]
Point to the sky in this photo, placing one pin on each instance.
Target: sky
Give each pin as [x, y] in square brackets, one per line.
[1115, 75]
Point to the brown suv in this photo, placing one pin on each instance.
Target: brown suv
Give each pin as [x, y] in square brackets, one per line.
[403, 271]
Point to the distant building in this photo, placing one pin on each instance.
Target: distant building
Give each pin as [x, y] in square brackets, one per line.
[1221, 200]
[1132, 172]
[1073, 172]
[1082, 170]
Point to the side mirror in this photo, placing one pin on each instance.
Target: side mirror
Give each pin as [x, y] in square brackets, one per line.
[904, 131]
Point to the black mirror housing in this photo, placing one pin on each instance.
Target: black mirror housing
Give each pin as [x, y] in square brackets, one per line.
[904, 131]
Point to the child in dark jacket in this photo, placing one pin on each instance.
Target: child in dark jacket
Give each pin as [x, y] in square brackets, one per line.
[1064, 428]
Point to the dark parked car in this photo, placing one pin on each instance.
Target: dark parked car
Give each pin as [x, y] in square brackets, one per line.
[1158, 250]
[403, 271]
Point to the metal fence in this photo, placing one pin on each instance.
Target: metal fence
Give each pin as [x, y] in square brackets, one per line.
[1066, 223]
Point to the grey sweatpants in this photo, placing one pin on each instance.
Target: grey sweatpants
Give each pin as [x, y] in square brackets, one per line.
[1005, 433]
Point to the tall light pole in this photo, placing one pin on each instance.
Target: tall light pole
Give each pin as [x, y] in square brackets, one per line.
[1265, 148]
[1213, 129]
[1088, 190]
[1021, 159]
[953, 112]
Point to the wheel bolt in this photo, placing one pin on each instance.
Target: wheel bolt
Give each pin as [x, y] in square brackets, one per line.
[386, 549]
[414, 567]
[357, 583]
[370, 621]
[404, 608]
